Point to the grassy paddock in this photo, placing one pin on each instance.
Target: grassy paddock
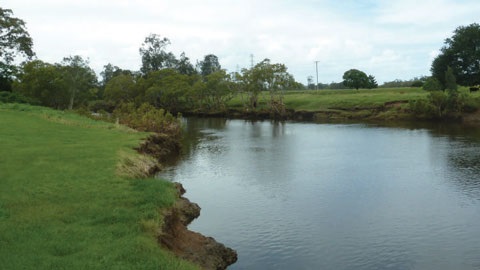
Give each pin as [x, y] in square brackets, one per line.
[321, 100]
[62, 203]
[374, 104]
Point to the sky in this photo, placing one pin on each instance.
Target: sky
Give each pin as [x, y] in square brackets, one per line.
[388, 39]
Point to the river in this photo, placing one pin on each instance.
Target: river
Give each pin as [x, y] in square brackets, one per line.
[335, 196]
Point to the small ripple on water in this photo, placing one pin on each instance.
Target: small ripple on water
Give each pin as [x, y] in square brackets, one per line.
[320, 203]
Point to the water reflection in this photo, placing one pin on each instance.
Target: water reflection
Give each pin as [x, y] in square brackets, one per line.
[349, 196]
[463, 161]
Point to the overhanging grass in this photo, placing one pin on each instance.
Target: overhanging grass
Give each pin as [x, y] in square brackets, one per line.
[62, 204]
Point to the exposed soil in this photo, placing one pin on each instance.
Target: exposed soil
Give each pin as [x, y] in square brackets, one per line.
[472, 118]
[330, 114]
[189, 245]
[174, 234]
[160, 146]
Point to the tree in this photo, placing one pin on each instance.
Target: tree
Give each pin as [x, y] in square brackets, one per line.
[79, 79]
[14, 42]
[218, 89]
[154, 56]
[184, 66]
[310, 83]
[43, 82]
[121, 88]
[461, 52]
[209, 65]
[450, 80]
[355, 78]
[165, 88]
[266, 76]
[372, 83]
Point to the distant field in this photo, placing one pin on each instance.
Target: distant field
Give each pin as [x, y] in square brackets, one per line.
[62, 205]
[324, 100]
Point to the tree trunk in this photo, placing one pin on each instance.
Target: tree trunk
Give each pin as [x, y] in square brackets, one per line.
[72, 99]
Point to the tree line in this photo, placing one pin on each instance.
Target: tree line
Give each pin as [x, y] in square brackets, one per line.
[175, 84]
[163, 81]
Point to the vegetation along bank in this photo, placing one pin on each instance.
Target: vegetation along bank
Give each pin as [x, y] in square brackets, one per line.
[75, 194]
[67, 203]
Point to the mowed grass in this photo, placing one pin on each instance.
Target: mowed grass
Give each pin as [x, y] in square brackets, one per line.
[62, 205]
[322, 100]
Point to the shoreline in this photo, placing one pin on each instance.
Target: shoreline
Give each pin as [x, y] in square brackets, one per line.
[189, 245]
[391, 111]
[174, 234]
[205, 251]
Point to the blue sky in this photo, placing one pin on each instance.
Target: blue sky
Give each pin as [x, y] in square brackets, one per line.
[387, 39]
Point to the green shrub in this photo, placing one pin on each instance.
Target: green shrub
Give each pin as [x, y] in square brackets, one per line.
[147, 118]
[13, 97]
[432, 84]
[440, 101]
[417, 83]
[421, 107]
[444, 105]
[101, 106]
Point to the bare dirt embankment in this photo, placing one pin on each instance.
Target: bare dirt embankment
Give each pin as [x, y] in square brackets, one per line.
[192, 246]
[174, 234]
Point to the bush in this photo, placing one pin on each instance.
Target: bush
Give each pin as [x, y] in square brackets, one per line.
[417, 83]
[13, 97]
[421, 107]
[432, 84]
[442, 105]
[101, 106]
[147, 118]
[440, 102]
[471, 105]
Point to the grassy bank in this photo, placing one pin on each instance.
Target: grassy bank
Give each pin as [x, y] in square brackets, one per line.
[319, 100]
[381, 103]
[62, 204]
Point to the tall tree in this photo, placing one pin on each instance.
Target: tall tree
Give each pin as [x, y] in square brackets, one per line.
[78, 77]
[154, 54]
[209, 65]
[184, 66]
[15, 42]
[461, 52]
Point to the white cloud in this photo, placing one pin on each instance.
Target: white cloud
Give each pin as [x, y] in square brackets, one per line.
[389, 39]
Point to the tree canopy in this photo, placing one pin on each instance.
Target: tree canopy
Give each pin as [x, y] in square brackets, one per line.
[355, 78]
[14, 42]
[209, 65]
[60, 86]
[461, 52]
[79, 78]
[154, 56]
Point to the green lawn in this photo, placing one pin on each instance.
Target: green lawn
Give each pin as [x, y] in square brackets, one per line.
[62, 206]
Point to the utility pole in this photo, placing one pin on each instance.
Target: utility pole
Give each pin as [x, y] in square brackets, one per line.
[316, 68]
[251, 60]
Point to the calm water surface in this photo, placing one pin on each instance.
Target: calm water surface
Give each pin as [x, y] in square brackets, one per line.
[335, 196]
